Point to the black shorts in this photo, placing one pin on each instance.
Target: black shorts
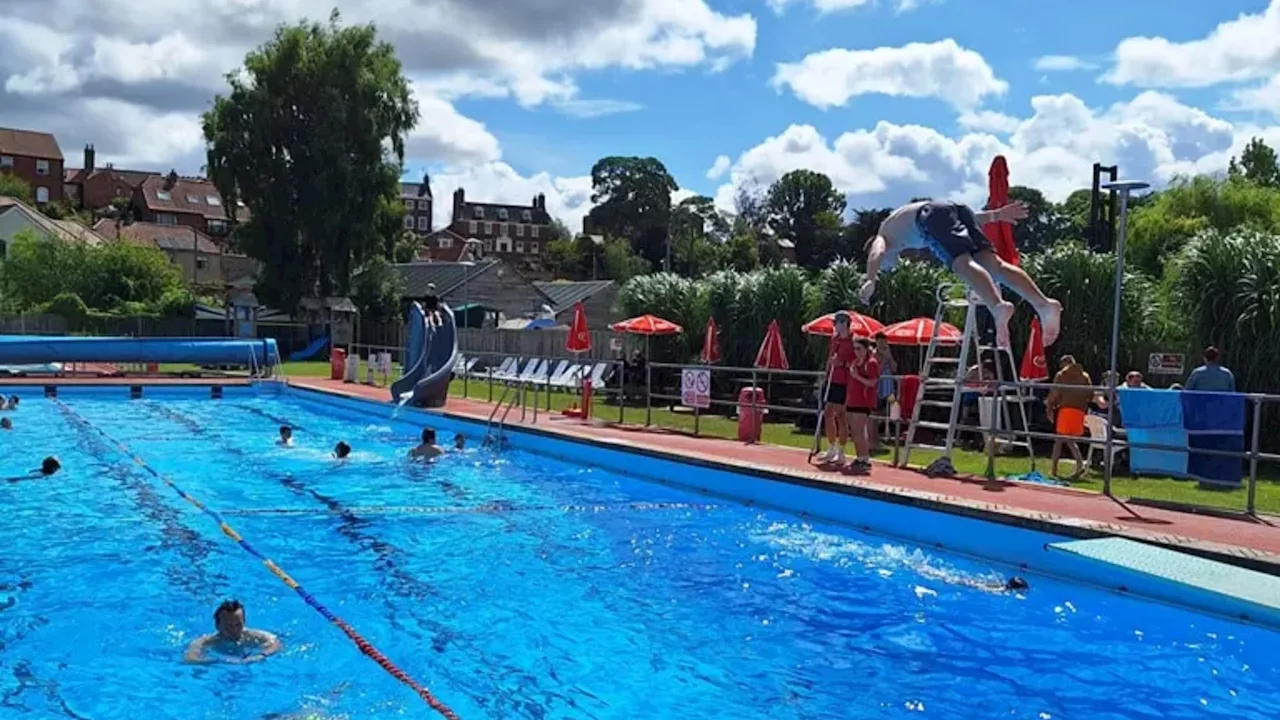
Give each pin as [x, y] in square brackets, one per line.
[951, 230]
[836, 393]
[860, 411]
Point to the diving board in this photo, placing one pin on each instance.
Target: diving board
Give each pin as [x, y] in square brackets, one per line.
[1182, 579]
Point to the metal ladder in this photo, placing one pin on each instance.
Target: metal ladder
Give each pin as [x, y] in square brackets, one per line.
[955, 383]
[518, 393]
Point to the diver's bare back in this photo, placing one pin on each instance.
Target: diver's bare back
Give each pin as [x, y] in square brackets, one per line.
[899, 229]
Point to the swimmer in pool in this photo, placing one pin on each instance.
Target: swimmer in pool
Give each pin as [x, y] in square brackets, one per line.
[6, 424]
[341, 450]
[286, 436]
[459, 442]
[427, 449]
[50, 466]
[10, 404]
[237, 643]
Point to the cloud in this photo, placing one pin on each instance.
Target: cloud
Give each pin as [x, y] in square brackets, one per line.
[1151, 137]
[587, 109]
[942, 70]
[1062, 63]
[719, 167]
[1265, 97]
[1236, 50]
[824, 7]
[989, 121]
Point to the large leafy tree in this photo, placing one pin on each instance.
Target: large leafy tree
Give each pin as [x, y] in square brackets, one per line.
[632, 197]
[1044, 226]
[1256, 164]
[698, 234]
[311, 139]
[805, 208]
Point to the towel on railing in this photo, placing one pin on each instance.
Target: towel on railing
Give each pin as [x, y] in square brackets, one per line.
[1154, 417]
[907, 393]
[1214, 421]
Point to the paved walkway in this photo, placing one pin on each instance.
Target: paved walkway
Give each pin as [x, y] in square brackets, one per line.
[1250, 542]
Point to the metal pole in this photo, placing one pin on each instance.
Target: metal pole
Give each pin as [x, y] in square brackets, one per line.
[695, 421]
[1253, 454]
[992, 427]
[648, 393]
[621, 372]
[1124, 187]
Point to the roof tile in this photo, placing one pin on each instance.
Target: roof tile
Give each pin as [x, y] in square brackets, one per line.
[29, 144]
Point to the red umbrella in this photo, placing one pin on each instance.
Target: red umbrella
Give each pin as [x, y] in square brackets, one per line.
[1034, 365]
[579, 340]
[646, 325]
[772, 356]
[859, 324]
[1000, 233]
[711, 343]
[918, 331]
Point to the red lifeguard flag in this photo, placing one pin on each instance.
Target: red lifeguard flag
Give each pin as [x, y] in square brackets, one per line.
[1000, 233]
[579, 340]
[711, 344]
[1034, 364]
[772, 355]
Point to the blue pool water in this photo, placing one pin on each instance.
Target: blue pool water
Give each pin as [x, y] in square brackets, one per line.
[587, 595]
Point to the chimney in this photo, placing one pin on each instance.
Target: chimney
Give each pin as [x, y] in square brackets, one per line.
[88, 159]
[424, 190]
[171, 180]
[540, 202]
[459, 199]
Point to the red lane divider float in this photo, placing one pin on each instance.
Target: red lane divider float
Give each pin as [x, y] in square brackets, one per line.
[364, 645]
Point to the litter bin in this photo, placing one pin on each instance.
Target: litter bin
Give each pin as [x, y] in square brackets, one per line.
[337, 363]
[751, 404]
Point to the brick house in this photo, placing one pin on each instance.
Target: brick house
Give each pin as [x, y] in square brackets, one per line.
[445, 245]
[190, 202]
[35, 158]
[418, 206]
[194, 252]
[512, 232]
[93, 188]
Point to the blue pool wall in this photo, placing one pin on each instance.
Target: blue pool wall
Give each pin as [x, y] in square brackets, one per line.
[1022, 549]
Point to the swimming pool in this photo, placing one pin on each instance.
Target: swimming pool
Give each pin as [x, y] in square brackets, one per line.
[519, 585]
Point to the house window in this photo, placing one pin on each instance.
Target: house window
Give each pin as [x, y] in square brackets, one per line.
[488, 228]
[533, 231]
[444, 242]
[502, 214]
[479, 213]
[519, 246]
[6, 161]
[519, 231]
[202, 263]
[119, 193]
[213, 200]
[42, 167]
[166, 219]
[42, 194]
[218, 227]
[488, 245]
[424, 223]
[162, 195]
[474, 227]
[504, 244]
[408, 204]
[533, 248]
[526, 215]
[408, 222]
[193, 199]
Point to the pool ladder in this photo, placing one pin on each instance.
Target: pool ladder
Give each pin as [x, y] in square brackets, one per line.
[512, 395]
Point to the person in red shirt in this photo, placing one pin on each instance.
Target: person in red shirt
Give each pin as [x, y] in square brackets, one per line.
[860, 402]
[840, 355]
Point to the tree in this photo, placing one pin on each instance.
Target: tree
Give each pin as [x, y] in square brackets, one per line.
[857, 234]
[1257, 165]
[697, 236]
[1075, 214]
[742, 252]
[566, 259]
[406, 247]
[805, 208]
[633, 201]
[1044, 226]
[311, 137]
[619, 263]
[15, 187]
[377, 290]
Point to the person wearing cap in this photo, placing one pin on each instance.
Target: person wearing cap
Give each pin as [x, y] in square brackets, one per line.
[840, 355]
[431, 303]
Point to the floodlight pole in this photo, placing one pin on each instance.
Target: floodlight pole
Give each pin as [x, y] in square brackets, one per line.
[1124, 187]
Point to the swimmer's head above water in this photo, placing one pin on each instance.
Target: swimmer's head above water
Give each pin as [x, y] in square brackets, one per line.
[286, 434]
[6, 424]
[228, 619]
[50, 465]
[1016, 583]
[459, 441]
[341, 450]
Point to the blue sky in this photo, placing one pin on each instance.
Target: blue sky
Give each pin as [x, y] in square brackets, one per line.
[889, 102]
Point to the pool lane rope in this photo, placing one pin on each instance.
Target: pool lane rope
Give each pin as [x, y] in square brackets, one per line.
[492, 508]
[363, 645]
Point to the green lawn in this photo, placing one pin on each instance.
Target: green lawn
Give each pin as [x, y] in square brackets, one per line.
[1159, 489]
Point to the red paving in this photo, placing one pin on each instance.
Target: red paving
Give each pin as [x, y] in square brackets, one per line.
[1254, 542]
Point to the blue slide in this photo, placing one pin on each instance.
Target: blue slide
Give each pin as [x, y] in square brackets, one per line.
[430, 354]
[34, 349]
[310, 351]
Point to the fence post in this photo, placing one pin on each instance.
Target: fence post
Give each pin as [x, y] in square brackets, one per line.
[548, 390]
[490, 374]
[621, 371]
[695, 420]
[466, 378]
[992, 427]
[754, 386]
[648, 393]
[1253, 454]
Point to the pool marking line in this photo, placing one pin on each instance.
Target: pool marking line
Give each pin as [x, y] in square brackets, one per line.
[490, 508]
[363, 645]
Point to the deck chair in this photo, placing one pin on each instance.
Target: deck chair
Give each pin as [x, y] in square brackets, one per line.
[539, 374]
[558, 373]
[503, 371]
[569, 377]
[598, 374]
[1098, 432]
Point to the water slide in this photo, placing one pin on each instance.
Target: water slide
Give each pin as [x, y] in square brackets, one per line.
[39, 349]
[429, 355]
[310, 350]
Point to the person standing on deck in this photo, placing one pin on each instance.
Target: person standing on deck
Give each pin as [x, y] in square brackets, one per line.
[953, 233]
[833, 412]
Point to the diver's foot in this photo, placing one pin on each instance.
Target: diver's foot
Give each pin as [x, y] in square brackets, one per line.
[1050, 322]
[1002, 314]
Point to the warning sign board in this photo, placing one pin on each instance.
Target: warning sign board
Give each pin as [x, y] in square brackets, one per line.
[695, 387]
[1166, 363]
